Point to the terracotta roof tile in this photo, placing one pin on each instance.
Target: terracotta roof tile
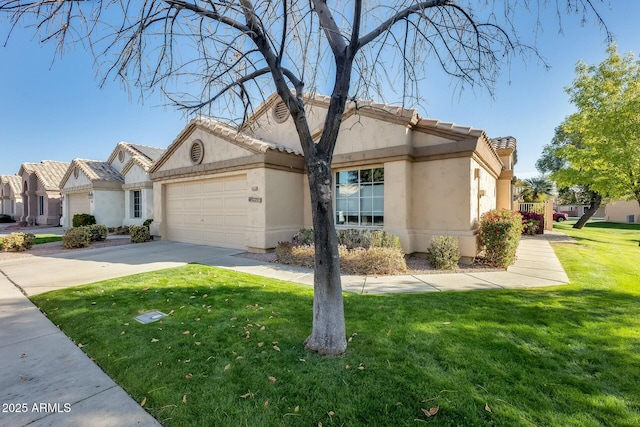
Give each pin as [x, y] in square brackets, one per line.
[503, 142]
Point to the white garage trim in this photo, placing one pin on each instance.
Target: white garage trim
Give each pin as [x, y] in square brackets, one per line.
[210, 212]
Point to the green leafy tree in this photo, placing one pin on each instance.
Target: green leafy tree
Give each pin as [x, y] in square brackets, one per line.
[569, 180]
[606, 158]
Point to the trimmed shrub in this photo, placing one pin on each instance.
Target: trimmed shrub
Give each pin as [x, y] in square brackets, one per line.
[298, 255]
[77, 237]
[499, 233]
[528, 218]
[147, 222]
[361, 261]
[530, 227]
[81, 220]
[119, 231]
[356, 238]
[443, 253]
[375, 260]
[4, 218]
[303, 237]
[97, 233]
[139, 234]
[18, 242]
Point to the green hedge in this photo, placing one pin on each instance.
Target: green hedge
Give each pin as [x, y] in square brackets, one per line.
[443, 253]
[81, 220]
[500, 232]
[77, 237]
[139, 233]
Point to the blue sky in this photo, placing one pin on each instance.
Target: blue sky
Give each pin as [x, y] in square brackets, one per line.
[55, 110]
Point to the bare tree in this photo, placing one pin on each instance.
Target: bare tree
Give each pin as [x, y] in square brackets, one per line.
[218, 56]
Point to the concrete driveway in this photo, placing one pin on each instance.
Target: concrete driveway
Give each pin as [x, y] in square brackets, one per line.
[45, 273]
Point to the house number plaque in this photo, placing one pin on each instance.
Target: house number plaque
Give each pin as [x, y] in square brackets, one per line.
[255, 199]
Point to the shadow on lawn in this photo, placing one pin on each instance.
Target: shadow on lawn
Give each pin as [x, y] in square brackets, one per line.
[545, 357]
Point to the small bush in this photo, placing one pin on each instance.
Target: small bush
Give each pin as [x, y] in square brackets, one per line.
[303, 237]
[81, 220]
[18, 242]
[530, 227]
[528, 218]
[139, 234]
[97, 233]
[499, 233]
[298, 255]
[147, 222]
[361, 261]
[120, 230]
[6, 218]
[374, 260]
[77, 237]
[357, 238]
[443, 253]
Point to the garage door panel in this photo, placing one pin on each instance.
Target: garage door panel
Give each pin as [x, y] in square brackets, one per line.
[79, 204]
[212, 212]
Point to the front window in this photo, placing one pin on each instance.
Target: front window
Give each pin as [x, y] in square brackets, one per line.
[41, 205]
[137, 204]
[360, 197]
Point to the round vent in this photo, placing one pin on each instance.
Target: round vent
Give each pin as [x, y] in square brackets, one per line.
[196, 152]
[280, 112]
[121, 156]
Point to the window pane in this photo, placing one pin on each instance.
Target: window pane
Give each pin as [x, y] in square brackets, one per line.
[366, 206]
[346, 190]
[366, 220]
[378, 175]
[378, 205]
[366, 176]
[347, 177]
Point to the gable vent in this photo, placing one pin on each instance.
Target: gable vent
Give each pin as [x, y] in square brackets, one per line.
[76, 172]
[280, 112]
[121, 156]
[197, 152]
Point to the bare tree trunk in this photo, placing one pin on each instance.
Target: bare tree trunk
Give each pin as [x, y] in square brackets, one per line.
[596, 200]
[328, 334]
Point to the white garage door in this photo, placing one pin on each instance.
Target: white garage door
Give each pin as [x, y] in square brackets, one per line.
[79, 203]
[209, 212]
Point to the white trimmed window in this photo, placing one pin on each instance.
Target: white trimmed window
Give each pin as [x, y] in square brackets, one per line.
[360, 197]
[136, 204]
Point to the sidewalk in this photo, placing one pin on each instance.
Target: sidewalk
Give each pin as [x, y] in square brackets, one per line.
[40, 366]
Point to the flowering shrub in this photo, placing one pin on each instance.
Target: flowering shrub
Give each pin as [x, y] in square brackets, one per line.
[77, 237]
[18, 242]
[443, 253]
[528, 218]
[499, 233]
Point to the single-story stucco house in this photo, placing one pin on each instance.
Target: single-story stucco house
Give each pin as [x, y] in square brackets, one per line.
[117, 191]
[393, 170]
[41, 192]
[11, 196]
[627, 211]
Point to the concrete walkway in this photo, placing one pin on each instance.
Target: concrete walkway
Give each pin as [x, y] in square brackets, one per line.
[55, 384]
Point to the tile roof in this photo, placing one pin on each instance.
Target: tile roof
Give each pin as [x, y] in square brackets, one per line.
[49, 172]
[449, 126]
[143, 155]
[97, 170]
[15, 183]
[223, 130]
[504, 142]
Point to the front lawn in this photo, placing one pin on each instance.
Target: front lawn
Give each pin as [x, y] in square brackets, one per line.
[231, 351]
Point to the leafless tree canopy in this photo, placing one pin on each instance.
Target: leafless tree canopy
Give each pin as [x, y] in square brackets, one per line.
[222, 57]
[200, 52]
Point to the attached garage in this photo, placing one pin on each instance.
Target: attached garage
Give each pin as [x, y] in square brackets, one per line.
[79, 203]
[209, 212]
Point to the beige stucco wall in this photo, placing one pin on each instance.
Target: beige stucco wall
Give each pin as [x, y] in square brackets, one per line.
[361, 133]
[619, 210]
[108, 207]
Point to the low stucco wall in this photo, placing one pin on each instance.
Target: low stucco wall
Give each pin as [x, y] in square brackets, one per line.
[619, 211]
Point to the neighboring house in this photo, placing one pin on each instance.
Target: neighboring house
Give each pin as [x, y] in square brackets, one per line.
[134, 162]
[40, 192]
[92, 187]
[393, 170]
[627, 211]
[11, 196]
[579, 210]
[117, 192]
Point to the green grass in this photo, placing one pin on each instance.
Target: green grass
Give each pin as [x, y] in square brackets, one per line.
[553, 356]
